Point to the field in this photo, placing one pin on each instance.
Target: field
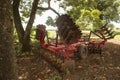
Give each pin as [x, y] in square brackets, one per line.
[94, 67]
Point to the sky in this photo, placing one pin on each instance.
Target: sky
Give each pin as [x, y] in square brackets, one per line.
[42, 19]
[117, 25]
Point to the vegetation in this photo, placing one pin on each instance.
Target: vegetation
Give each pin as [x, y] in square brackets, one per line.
[87, 14]
[93, 13]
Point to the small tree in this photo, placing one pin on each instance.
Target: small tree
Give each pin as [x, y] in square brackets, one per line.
[29, 11]
[24, 35]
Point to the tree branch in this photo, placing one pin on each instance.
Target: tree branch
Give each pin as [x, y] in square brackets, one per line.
[54, 11]
[49, 8]
[26, 41]
[17, 20]
[49, 3]
[42, 8]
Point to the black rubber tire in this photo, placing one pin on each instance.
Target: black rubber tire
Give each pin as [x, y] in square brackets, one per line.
[82, 51]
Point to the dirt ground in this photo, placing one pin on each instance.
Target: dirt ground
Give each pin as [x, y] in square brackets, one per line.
[94, 67]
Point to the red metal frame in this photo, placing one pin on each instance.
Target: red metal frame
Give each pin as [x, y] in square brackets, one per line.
[68, 50]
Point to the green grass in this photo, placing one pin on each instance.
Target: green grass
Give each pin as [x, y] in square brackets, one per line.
[117, 37]
[51, 34]
[117, 30]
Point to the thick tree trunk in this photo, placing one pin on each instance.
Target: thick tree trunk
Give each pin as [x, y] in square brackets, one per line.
[7, 52]
[26, 43]
[17, 20]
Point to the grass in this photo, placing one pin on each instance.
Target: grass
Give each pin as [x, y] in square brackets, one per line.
[52, 34]
[117, 37]
[117, 30]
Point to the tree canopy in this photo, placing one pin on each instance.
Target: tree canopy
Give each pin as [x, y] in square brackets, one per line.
[93, 12]
[84, 12]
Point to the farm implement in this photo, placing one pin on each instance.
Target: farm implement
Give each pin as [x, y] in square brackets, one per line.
[70, 42]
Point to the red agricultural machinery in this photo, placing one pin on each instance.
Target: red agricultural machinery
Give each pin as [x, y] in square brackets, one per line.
[70, 42]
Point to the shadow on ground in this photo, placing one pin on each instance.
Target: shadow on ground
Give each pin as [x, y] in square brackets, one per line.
[94, 67]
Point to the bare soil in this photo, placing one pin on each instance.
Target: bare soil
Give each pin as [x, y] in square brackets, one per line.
[95, 67]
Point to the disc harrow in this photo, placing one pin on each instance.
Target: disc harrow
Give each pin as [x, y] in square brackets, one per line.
[61, 52]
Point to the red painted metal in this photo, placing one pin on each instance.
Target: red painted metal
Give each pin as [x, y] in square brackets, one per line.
[68, 50]
[42, 36]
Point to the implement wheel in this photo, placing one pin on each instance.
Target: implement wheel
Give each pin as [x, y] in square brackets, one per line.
[82, 51]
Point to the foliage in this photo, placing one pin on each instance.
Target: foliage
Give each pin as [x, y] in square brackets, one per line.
[86, 13]
[18, 46]
[33, 33]
[50, 21]
[93, 12]
[44, 1]
[15, 36]
[35, 47]
[25, 9]
[89, 18]
[111, 26]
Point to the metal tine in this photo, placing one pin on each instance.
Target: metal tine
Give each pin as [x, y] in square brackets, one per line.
[104, 29]
[107, 31]
[111, 35]
[104, 26]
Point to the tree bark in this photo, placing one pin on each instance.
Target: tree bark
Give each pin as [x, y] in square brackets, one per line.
[17, 20]
[26, 39]
[24, 36]
[7, 53]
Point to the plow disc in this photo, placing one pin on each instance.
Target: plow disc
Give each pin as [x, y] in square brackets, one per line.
[57, 60]
[67, 29]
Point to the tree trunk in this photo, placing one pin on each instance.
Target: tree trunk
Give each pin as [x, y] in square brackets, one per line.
[26, 43]
[7, 52]
[24, 36]
[17, 20]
